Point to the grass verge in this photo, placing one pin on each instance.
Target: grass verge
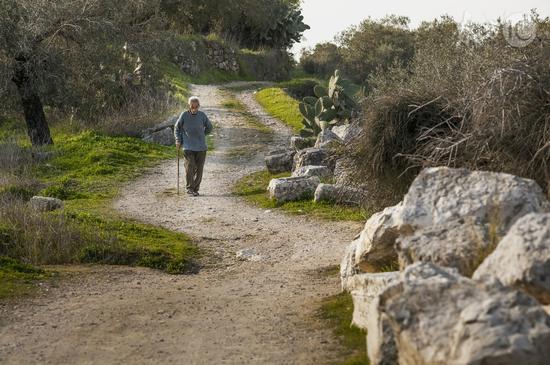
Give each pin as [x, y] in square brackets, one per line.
[253, 188]
[18, 279]
[86, 170]
[337, 311]
[282, 106]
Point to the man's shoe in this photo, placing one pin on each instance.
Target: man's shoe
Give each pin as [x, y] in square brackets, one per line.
[196, 193]
[190, 192]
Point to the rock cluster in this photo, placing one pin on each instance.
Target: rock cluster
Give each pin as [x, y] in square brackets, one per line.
[454, 224]
[303, 158]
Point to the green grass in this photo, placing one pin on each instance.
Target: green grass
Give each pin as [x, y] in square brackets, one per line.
[253, 188]
[337, 311]
[282, 106]
[87, 171]
[17, 279]
[180, 81]
[235, 105]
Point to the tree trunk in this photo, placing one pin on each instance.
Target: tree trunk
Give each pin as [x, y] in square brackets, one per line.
[37, 126]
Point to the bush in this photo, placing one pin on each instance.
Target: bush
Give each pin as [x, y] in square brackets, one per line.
[272, 65]
[299, 88]
[469, 99]
[321, 60]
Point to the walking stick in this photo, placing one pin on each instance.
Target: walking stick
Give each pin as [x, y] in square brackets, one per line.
[178, 158]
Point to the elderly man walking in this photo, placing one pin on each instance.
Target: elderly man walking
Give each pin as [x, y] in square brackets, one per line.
[190, 131]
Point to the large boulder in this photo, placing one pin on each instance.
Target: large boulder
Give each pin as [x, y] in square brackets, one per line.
[163, 137]
[340, 194]
[319, 171]
[292, 188]
[279, 161]
[462, 244]
[312, 156]
[436, 316]
[327, 139]
[522, 258]
[441, 195]
[45, 204]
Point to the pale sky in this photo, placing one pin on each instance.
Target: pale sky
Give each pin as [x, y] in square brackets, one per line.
[329, 17]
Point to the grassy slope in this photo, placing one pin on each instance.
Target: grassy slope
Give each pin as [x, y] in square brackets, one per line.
[253, 189]
[280, 105]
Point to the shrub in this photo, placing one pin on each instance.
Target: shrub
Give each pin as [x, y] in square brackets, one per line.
[300, 88]
[321, 60]
[40, 238]
[272, 65]
[468, 99]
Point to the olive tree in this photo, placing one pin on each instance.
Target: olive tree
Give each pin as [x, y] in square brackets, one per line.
[41, 40]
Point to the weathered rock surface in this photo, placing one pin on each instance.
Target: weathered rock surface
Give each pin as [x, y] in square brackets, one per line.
[339, 194]
[299, 143]
[440, 195]
[364, 289]
[522, 258]
[340, 130]
[293, 188]
[461, 244]
[375, 246]
[347, 132]
[280, 161]
[312, 156]
[348, 267]
[319, 171]
[327, 139]
[437, 316]
[164, 137]
[45, 204]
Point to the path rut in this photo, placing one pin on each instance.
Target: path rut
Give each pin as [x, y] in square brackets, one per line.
[260, 311]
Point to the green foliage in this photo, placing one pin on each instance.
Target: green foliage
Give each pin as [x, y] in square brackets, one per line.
[333, 107]
[280, 105]
[375, 45]
[299, 88]
[253, 188]
[266, 64]
[322, 60]
[361, 50]
[250, 23]
[338, 311]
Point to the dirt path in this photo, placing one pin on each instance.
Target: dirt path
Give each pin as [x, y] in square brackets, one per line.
[258, 311]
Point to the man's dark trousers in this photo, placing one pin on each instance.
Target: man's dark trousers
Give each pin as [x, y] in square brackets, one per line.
[194, 164]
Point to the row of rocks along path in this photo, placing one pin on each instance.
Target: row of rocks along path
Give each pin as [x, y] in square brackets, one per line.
[258, 311]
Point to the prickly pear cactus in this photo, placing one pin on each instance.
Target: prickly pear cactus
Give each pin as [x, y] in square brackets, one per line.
[331, 107]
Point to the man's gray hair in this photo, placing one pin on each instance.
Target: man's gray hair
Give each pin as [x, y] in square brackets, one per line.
[192, 99]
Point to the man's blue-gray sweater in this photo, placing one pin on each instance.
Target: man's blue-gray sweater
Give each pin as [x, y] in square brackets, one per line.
[191, 129]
